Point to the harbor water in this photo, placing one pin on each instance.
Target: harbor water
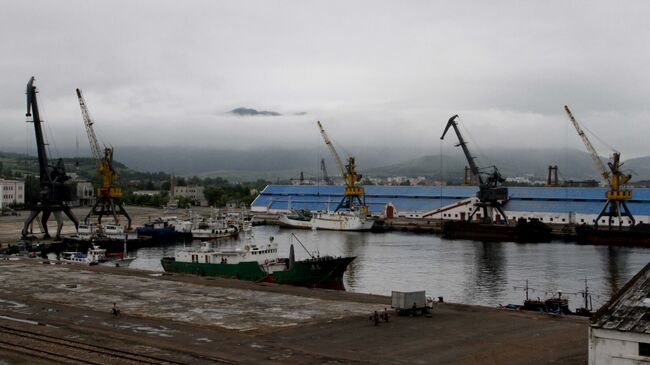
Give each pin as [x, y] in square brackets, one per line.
[460, 271]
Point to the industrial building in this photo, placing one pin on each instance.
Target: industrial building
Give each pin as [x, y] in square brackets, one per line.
[549, 204]
[13, 193]
[195, 192]
[620, 331]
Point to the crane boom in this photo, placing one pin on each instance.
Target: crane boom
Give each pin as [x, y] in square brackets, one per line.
[88, 123]
[592, 151]
[461, 142]
[330, 145]
[490, 194]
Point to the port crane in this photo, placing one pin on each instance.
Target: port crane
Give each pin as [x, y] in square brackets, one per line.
[490, 194]
[615, 205]
[109, 196]
[353, 195]
[52, 178]
[326, 177]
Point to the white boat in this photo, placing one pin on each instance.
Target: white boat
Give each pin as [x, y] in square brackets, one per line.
[341, 221]
[353, 220]
[94, 256]
[214, 229]
[296, 219]
[120, 259]
[87, 232]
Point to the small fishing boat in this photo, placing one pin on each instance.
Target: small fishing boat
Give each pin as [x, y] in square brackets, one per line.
[94, 256]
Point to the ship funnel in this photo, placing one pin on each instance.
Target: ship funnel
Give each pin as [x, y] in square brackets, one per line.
[292, 257]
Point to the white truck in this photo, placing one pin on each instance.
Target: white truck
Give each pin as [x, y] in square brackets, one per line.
[403, 302]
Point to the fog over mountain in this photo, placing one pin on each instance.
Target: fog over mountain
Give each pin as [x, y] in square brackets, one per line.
[285, 163]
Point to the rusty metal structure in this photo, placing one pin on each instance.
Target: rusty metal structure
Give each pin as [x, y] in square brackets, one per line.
[617, 195]
[52, 178]
[491, 194]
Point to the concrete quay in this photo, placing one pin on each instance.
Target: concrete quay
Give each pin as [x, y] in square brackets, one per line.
[199, 320]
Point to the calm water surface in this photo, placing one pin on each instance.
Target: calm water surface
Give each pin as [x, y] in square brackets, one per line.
[461, 271]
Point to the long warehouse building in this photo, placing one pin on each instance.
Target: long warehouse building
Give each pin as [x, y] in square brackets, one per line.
[550, 204]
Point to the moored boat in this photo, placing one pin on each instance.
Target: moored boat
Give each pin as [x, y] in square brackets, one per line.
[94, 256]
[525, 231]
[164, 228]
[637, 235]
[353, 220]
[343, 220]
[296, 219]
[260, 263]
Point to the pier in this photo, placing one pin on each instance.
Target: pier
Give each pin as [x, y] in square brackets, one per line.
[187, 319]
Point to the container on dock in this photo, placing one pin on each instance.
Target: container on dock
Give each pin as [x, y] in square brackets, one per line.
[404, 300]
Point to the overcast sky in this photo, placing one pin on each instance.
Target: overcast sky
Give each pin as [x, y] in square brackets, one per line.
[375, 73]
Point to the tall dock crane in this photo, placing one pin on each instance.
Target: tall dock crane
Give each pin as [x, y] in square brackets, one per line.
[616, 196]
[490, 194]
[52, 178]
[109, 196]
[353, 195]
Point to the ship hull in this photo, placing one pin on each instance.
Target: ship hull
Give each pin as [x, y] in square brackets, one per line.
[341, 222]
[287, 222]
[638, 235]
[529, 232]
[317, 273]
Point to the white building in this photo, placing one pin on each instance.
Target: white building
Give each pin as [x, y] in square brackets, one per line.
[193, 192]
[619, 333]
[13, 193]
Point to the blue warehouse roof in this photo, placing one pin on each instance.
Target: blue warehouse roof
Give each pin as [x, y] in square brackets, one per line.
[426, 198]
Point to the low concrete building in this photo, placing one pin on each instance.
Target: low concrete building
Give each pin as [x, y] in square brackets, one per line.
[146, 192]
[620, 331]
[193, 192]
[12, 193]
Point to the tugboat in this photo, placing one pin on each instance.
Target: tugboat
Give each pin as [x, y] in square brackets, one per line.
[260, 263]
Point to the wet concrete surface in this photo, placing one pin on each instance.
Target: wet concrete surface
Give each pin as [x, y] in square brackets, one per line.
[197, 320]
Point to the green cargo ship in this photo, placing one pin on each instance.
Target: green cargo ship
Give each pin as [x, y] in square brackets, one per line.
[260, 264]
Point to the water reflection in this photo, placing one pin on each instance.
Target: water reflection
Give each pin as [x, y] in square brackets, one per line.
[490, 264]
[615, 264]
[461, 271]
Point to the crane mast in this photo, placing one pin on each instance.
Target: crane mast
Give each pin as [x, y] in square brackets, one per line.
[54, 191]
[490, 194]
[590, 148]
[353, 196]
[616, 197]
[323, 168]
[330, 145]
[108, 195]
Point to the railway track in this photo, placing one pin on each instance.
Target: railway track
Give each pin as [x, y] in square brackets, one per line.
[56, 349]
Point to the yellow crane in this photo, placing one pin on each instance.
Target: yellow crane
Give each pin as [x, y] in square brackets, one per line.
[617, 195]
[109, 196]
[353, 194]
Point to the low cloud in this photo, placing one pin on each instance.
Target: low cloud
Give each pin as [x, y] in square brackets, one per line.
[252, 112]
